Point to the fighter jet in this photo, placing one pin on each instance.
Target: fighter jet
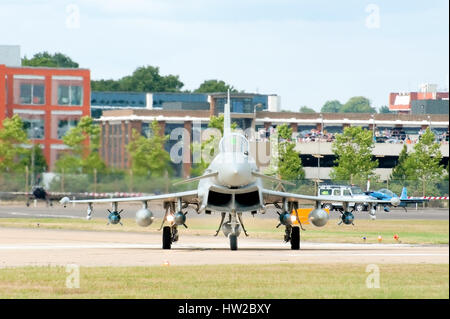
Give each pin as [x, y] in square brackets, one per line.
[231, 185]
[37, 193]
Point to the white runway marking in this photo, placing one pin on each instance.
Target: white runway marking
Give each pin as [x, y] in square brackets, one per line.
[202, 247]
[369, 254]
[43, 215]
[206, 246]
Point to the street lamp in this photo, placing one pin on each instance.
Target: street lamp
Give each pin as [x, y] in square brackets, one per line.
[373, 125]
[319, 156]
[34, 132]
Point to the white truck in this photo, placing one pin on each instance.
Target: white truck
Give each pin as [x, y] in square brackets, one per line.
[343, 190]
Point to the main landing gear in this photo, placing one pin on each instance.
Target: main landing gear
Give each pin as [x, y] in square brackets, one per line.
[292, 235]
[175, 217]
[291, 232]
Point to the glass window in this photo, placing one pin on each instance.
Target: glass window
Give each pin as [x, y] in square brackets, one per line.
[61, 123]
[357, 191]
[332, 129]
[67, 91]
[34, 125]
[346, 192]
[325, 192]
[29, 90]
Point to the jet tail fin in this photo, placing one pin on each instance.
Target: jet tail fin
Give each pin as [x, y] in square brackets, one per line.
[227, 116]
[404, 194]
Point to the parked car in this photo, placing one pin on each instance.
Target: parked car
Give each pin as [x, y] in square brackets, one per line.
[343, 190]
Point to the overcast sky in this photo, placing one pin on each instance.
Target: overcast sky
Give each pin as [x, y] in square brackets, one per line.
[307, 52]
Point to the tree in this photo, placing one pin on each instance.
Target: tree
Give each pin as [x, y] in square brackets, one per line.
[212, 86]
[384, 110]
[148, 156]
[305, 109]
[143, 79]
[84, 142]
[40, 163]
[353, 149]
[217, 123]
[289, 163]
[423, 164]
[57, 60]
[357, 104]
[333, 106]
[399, 172]
[12, 137]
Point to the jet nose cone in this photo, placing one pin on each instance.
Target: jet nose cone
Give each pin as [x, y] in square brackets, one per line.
[235, 173]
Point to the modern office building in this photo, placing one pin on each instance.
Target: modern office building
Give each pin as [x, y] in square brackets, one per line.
[213, 102]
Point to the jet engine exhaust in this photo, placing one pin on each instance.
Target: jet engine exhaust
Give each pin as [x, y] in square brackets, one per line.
[144, 217]
[318, 217]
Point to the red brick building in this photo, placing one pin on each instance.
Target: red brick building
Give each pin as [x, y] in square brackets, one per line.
[402, 102]
[49, 100]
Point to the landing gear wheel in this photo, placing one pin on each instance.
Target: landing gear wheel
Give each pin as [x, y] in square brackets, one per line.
[295, 238]
[233, 242]
[167, 237]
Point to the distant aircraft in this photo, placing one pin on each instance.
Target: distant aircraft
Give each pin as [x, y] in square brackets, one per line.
[230, 185]
[40, 193]
[386, 194]
[37, 193]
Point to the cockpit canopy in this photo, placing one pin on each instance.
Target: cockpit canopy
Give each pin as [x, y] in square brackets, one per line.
[233, 142]
[386, 192]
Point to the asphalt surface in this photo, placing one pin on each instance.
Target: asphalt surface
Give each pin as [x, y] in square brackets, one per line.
[18, 210]
[47, 247]
[38, 246]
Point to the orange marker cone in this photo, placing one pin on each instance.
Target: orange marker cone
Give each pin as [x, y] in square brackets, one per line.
[396, 237]
[380, 239]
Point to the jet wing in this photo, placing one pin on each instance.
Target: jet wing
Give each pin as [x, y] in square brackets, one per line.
[187, 196]
[276, 197]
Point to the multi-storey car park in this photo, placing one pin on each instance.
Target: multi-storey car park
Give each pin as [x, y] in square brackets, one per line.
[313, 134]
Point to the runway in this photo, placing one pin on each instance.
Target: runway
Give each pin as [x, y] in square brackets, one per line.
[44, 247]
[19, 210]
